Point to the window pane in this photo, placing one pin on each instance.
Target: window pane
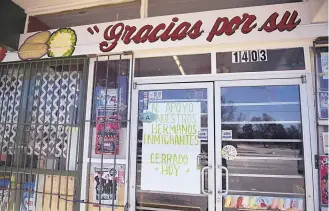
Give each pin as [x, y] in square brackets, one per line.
[153, 137]
[264, 131]
[260, 94]
[277, 59]
[275, 185]
[261, 112]
[267, 158]
[173, 65]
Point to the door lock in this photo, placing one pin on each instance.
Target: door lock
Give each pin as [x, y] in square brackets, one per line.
[202, 159]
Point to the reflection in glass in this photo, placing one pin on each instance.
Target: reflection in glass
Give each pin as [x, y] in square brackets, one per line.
[261, 112]
[270, 158]
[278, 59]
[264, 131]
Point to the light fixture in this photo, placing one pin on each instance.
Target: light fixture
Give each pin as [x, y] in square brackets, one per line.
[179, 65]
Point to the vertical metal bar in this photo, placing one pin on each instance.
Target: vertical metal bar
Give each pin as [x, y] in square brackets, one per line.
[43, 128]
[4, 124]
[118, 131]
[129, 101]
[93, 119]
[50, 128]
[57, 126]
[70, 138]
[64, 126]
[8, 147]
[104, 125]
[81, 114]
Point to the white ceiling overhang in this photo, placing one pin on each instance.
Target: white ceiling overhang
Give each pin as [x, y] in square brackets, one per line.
[39, 7]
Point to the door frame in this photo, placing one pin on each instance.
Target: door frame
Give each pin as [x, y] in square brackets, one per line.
[308, 93]
[134, 138]
[301, 82]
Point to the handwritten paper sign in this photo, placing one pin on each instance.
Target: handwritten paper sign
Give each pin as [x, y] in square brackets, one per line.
[170, 148]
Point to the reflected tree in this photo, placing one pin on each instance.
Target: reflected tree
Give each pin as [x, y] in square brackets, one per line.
[269, 131]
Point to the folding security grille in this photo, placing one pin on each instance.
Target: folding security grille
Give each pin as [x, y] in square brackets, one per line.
[107, 129]
[41, 132]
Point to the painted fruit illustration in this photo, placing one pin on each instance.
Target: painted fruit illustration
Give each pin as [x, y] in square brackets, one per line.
[62, 43]
[3, 52]
[34, 46]
[40, 37]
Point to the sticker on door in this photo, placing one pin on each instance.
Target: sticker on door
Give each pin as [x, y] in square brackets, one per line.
[229, 152]
[226, 135]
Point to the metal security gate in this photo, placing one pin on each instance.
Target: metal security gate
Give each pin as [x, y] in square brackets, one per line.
[41, 133]
[106, 150]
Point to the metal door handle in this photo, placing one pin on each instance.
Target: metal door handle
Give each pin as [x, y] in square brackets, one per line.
[223, 193]
[203, 179]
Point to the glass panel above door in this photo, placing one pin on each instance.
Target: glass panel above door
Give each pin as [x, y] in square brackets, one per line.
[260, 60]
[173, 65]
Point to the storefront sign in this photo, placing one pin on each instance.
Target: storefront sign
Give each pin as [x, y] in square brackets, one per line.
[171, 148]
[180, 30]
[324, 162]
[323, 105]
[218, 26]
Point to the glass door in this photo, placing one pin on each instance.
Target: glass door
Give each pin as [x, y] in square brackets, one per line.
[262, 146]
[175, 147]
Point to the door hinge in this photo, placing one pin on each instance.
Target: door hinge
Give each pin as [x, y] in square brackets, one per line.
[303, 79]
[316, 161]
[134, 85]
